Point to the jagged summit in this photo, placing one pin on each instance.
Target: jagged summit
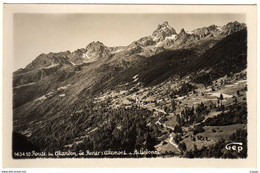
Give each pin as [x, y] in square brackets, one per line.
[164, 24]
[232, 27]
[96, 46]
[49, 60]
[164, 36]
[214, 30]
[163, 30]
[236, 23]
[182, 30]
[95, 43]
[96, 50]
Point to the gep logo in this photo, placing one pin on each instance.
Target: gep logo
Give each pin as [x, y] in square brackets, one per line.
[235, 146]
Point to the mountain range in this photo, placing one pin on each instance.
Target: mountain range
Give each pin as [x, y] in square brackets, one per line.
[63, 65]
[51, 88]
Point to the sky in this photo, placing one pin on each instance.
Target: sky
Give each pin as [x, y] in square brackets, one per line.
[43, 33]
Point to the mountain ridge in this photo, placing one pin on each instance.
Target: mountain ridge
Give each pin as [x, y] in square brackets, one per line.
[157, 94]
[164, 36]
[61, 66]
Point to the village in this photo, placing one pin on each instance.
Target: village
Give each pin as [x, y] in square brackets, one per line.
[167, 107]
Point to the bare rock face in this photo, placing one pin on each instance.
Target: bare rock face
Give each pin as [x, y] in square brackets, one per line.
[49, 60]
[162, 37]
[165, 37]
[43, 65]
[163, 30]
[212, 30]
[116, 49]
[145, 41]
[93, 52]
[184, 37]
[232, 27]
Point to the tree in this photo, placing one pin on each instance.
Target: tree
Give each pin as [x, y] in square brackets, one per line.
[177, 138]
[150, 142]
[178, 119]
[166, 109]
[183, 146]
[195, 148]
[235, 100]
[173, 104]
[177, 129]
[212, 88]
[238, 93]
[221, 98]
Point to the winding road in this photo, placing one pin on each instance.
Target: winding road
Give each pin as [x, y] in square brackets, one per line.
[173, 143]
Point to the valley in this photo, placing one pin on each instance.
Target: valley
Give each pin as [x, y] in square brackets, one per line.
[179, 95]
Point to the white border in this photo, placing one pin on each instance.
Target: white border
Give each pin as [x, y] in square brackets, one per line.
[139, 1]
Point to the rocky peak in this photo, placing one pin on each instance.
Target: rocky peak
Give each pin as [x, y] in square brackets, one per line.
[182, 31]
[95, 51]
[96, 46]
[212, 30]
[163, 25]
[49, 60]
[182, 34]
[144, 41]
[163, 30]
[183, 37]
[231, 27]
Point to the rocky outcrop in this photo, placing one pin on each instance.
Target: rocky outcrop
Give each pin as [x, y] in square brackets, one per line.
[93, 52]
[232, 27]
[163, 30]
[49, 60]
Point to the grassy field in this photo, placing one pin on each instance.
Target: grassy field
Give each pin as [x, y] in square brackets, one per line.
[217, 132]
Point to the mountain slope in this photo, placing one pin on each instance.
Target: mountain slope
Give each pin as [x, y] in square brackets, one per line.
[226, 57]
[68, 93]
[93, 52]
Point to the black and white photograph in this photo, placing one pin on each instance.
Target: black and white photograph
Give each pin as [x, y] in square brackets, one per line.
[130, 86]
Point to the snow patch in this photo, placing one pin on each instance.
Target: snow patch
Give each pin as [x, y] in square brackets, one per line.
[135, 78]
[41, 98]
[119, 127]
[219, 28]
[158, 44]
[28, 84]
[85, 55]
[119, 50]
[93, 130]
[50, 94]
[72, 63]
[50, 66]
[180, 98]
[26, 133]
[62, 95]
[68, 146]
[172, 37]
[63, 87]
[155, 38]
